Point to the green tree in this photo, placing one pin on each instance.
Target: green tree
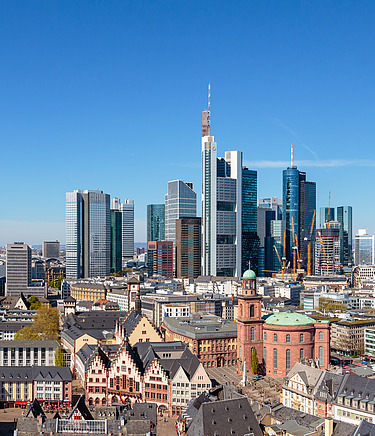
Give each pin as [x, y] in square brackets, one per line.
[254, 361]
[46, 325]
[56, 283]
[34, 303]
[59, 357]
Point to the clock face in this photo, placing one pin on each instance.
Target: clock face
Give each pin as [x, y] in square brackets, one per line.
[213, 148]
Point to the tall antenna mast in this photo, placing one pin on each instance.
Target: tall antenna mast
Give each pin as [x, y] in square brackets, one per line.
[209, 97]
[291, 156]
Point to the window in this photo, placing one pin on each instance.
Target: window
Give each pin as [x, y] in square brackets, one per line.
[275, 358]
[265, 336]
[265, 355]
[252, 311]
[274, 337]
[287, 338]
[241, 332]
[301, 353]
[302, 337]
[287, 358]
[321, 357]
[321, 336]
[252, 334]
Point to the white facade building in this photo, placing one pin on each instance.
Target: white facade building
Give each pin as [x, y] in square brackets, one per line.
[127, 209]
[364, 248]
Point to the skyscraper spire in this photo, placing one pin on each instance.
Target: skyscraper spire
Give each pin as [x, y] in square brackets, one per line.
[291, 156]
[209, 97]
[206, 116]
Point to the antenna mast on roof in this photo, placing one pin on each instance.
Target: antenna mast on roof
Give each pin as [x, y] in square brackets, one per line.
[291, 156]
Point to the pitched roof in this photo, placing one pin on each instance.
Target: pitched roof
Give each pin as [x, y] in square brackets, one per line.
[131, 321]
[221, 418]
[356, 386]
[365, 429]
[82, 409]
[309, 375]
[35, 410]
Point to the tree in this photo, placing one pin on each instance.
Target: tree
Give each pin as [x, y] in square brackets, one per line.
[46, 325]
[56, 283]
[34, 303]
[59, 357]
[254, 361]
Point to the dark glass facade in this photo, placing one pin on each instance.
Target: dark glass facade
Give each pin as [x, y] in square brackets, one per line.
[155, 222]
[299, 204]
[116, 241]
[250, 239]
[344, 217]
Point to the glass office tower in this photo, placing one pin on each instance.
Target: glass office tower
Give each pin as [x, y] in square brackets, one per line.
[180, 202]
[345, 218]
[127, 210]
[88, 236]
[299, 204]
[155, 222]
[250, 239]
[116, 236]
[326, 214]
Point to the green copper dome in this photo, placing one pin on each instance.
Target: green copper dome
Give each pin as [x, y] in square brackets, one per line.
[249, 274]
[289, 319]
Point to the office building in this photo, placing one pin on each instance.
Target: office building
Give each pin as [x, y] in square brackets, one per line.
[51, 249]
[88, 238]
[229, 227]
[326, 214]
[155, 222]
[299, 205]
[18, 268]
[250, 240]
[269, 210]
[19, 272]
[364, 248]
[277, 239]
[327, 250]
[116, 236]
[345, 218]
[127, 210]
[180, 202]
[160, 258]
[188, 247]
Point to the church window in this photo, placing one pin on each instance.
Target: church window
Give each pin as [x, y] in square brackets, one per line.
[274, 358]
[265, 336]
[287, 358]
[321, 358]
[302, 337]
[301, 353]
[287, 338]
[274, 337]
[252, 311]
[320, 336]
[252, 333]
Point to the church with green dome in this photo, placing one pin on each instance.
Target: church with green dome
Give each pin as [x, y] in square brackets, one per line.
[278, 340]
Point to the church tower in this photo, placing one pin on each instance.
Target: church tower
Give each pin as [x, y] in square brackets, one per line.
[249, 323]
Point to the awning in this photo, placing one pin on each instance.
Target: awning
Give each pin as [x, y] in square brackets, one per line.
[21, 402]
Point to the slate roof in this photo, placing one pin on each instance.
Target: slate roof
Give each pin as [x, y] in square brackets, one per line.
[35, 410]
[29, 344]
[343, 429]
[283, 413]
[327, 386]
[208, 416]
[10, 326]
[309, 375]
[88, 352]
[365, 429]
[147, 352]
[356, 386]
[131, 321]
[141, 411]
[95, 319]
[29, 373]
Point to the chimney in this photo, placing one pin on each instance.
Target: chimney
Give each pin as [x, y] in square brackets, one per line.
[328, 426]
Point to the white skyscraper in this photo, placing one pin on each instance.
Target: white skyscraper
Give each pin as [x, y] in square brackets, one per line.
[364, 248]
[221, 207]
[127, 210]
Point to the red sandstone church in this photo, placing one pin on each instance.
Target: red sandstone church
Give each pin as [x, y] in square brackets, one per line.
[281, 339]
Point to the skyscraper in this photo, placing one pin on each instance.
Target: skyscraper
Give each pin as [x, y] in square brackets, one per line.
[116, 236]
[326, 214]
[19, 272]
[299, 204]
[250, 239]
[364, 248]
[327, 252]
[180, 202]
[127, 210]
[188, 247]
[88, 236]
[225, 207]
[51, 249]
[160, 258]
[155, 222]
[345, 218]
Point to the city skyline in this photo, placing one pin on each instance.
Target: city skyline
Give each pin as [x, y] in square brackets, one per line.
[74, 114]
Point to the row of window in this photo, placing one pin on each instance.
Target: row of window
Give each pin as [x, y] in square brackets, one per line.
[288, 339]
[288, 355]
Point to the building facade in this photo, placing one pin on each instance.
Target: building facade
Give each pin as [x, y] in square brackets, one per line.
[160, 258]
[28, 353]
[188, 247]
[127, 211]
[155, 222]
[364, 248]
[88, 239]
[345, 218]
[327, 250]
[116, 236]
[51, 249]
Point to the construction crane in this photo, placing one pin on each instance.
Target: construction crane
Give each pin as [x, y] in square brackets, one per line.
[295, 251]
[309, 245]
[324, 252]
[329, 208]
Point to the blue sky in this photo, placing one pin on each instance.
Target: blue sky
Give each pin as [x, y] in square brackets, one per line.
[108, 95]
